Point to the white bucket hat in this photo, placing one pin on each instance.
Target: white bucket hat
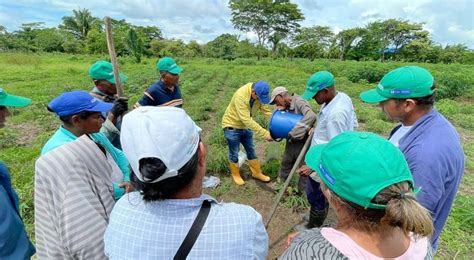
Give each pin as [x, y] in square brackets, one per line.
[166, 133]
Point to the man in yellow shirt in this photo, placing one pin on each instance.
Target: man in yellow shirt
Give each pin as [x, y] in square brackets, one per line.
[239, 126]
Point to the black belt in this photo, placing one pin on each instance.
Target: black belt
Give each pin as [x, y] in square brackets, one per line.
[229, 128]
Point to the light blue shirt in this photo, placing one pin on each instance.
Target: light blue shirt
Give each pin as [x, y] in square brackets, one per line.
[62, 136]
[155, 230]
[334, 118]
[434, 154]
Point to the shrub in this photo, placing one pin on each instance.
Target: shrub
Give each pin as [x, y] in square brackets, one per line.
[371, 74]
[451, 85]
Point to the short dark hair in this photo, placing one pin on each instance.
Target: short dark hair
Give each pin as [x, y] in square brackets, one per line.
[423, 102]
[153, 168]
[68, 119]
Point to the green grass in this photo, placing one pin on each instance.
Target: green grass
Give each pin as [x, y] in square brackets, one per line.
[207, 86]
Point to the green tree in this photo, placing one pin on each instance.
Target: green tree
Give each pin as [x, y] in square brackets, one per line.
[313, 42]
[345, 41]
[453, 53]
[422, 50]
[274, 19]
[246, 49]
[80, 23]
[148, 34]
[393, 33]
[194, 49]
[223, 46]
[49, 40]
[27, 35]
[134, 45]
[95, 42]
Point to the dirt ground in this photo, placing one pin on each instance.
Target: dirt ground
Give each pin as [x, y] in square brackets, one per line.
[261, 197]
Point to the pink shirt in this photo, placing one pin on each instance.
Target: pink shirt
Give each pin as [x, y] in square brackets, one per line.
[418, 248]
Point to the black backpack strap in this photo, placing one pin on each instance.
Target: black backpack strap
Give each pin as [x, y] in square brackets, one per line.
[194, 231]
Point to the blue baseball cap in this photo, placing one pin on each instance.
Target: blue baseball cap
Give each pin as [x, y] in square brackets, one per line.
[262, 89]
[74, 102]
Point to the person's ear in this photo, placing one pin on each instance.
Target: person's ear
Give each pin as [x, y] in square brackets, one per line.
[410, 105]
[201, 154]
[76, 120]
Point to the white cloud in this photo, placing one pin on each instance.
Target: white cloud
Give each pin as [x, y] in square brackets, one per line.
[449, 21]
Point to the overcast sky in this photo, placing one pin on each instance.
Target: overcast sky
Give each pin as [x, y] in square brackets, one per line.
[448, 21]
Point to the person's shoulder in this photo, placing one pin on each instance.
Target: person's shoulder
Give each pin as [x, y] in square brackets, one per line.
[310, 244]
[129, 201]
[155, 87]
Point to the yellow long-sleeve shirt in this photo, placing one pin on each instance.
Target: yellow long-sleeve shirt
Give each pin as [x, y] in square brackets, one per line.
[238, 112]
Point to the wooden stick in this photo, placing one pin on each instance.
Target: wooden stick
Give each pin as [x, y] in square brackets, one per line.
[113, 57]
[290, 176]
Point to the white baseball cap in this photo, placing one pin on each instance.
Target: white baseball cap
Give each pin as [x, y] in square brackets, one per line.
[166, 133]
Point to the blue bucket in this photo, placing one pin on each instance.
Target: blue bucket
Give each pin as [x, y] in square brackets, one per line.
[282, 123]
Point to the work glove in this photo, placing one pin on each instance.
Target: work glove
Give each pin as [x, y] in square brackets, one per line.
[120, 106]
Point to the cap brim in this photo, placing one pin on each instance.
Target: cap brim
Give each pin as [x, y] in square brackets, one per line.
[176, 70]
[122, 76]
[307, 95]
[264, 100]
[313, 156]
[101, 107]
[372, 96]
[15, 101]
[272, 100]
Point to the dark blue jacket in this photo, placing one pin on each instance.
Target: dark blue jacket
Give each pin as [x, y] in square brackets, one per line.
[14, 242]
[159, 95]
[435, 156]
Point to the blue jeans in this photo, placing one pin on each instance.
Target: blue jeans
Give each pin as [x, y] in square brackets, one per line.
[235, 137]
[315, 196]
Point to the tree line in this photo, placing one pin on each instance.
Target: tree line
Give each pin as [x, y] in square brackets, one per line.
[275, 22]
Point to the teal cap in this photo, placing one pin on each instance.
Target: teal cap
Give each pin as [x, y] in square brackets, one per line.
[104, 70]
[401, 83]
[8, 100]
[317, 82]
[356, 166]
[168, 64]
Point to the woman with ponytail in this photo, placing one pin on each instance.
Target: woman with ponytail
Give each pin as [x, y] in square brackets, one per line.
[369, 185]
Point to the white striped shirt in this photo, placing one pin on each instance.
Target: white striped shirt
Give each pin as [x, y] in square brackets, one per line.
[73, 201]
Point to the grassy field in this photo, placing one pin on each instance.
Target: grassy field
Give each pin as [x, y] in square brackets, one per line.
[207, 87]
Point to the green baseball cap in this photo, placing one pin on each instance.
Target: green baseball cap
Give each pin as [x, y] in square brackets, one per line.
[358, 165]
[401, 83]
[104, 70]
[8, 100]
[168, 64]
[317, 82]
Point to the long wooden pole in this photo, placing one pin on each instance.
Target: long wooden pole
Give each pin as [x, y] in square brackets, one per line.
[113, 57]
[290, 176]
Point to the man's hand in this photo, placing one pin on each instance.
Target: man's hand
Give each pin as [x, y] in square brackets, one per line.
[290, 238]
[120, 107]
[304, 171]
[311, 131]
[269, 138]
[127, 186]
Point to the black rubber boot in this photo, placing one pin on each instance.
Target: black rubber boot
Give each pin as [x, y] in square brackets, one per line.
[316, 219]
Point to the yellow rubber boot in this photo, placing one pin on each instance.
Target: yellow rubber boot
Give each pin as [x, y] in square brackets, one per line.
[256, 171]
[234, 170]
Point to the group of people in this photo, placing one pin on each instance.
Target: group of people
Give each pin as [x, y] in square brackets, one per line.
[119, 184]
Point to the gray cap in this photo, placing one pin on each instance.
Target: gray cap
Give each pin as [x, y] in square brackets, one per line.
[277, 91]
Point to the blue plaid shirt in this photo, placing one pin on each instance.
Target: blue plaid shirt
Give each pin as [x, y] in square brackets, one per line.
[155, 230]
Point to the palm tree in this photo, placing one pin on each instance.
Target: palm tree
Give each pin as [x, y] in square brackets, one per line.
[80, 23]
